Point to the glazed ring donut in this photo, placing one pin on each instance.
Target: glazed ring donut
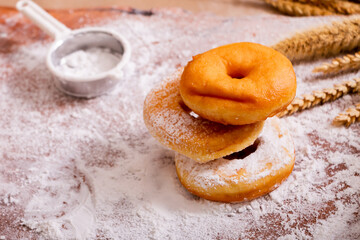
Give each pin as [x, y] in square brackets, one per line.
[239, 83]
[174, 125]
[242, 179]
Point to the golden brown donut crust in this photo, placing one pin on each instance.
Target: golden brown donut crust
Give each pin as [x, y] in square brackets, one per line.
[239, 83]
[242, 179]
[172, 124]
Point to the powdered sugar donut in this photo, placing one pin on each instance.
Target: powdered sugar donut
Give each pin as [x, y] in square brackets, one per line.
[239, 179]
[174, 125]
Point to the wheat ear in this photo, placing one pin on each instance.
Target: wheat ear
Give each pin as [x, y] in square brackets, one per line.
[346, 63]
[350, 116]
[323, 41]
[335, 6]
[342, 7]
[298, 9]
[316, 2]
[321, 96]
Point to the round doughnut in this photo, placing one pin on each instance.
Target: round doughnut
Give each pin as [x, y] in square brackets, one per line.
[242, 179]
[177, 127]
[239, 83]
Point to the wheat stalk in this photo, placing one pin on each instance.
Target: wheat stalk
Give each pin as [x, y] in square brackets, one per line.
[339, 7]
[321, 96]
[347, 118]
[346, 63]
[298, 9]
[317, 2]
[322, 41]
[342, 7]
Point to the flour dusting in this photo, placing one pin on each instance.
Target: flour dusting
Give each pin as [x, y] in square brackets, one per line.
[89, 169]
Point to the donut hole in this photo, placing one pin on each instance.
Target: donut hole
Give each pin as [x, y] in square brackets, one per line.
[245, 152]
[236, 75]
[188, 110]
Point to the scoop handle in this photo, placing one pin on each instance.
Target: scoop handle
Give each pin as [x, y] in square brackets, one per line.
[42, 19]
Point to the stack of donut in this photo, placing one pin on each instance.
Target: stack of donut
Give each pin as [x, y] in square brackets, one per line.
[216, 113]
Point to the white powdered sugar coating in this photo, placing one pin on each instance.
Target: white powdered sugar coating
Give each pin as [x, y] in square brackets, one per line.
[177, 127]
[276, 148]
[75, 168]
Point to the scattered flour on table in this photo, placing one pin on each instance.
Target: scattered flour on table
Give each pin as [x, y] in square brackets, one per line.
[89, 169]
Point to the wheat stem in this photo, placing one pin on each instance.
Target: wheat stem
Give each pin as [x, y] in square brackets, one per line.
[322, 41]
[347, 118]
[339, 7]
[342, 7]
[346, 63]
[298, 9]
[321, 96]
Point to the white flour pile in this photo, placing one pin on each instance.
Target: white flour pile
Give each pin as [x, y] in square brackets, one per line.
[89, 62]
[73, 168]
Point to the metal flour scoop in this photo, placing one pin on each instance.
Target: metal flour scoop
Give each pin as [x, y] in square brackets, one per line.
[67, 42]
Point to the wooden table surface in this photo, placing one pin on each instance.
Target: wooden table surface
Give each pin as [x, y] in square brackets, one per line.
[220, 7]
[61, 155]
